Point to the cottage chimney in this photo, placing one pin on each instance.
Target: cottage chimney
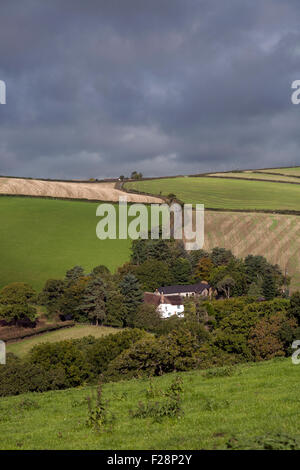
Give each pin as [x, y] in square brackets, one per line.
[162, 298]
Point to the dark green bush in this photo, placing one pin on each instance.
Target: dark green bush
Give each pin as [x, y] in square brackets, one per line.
[150, 356]
[18, 377]
[278, 441]
[51, 366]
[64, 355]
[17, 293]
[104, 350]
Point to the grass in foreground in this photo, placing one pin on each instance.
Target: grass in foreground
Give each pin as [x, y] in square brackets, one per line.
[223, 193]
[21, 348]
[258, 399]
[41, 238]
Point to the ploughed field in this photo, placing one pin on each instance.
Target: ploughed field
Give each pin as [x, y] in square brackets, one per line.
[275, 236]
[65, 189]
[291, 171]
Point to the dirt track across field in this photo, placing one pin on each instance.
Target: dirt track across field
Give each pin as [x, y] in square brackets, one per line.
[92, 191]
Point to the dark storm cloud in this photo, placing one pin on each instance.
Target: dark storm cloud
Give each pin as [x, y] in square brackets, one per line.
[99, 88]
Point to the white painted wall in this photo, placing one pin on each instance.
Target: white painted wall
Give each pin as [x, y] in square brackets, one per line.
[167, 310]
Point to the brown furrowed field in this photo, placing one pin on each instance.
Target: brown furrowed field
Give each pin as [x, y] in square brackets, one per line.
[292, 171]
[60, 189]
[271, 235]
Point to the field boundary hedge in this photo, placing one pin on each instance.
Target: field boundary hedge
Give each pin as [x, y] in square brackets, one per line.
[19, 335]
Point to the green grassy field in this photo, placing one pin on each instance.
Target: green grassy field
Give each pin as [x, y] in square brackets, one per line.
[223, 193]
[260, 176]
[42, 238]
[21, 348]
[258, 399]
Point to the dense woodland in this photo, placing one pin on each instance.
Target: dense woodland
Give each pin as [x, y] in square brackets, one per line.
[251, 318]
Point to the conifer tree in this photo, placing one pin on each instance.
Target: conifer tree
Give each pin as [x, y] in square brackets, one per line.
[93, 304]
[133, 295]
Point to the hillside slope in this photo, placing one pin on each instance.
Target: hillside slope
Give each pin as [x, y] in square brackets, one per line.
[76, 190]
[225, 193]
[274, 236]
[41, 239]
[256, 400]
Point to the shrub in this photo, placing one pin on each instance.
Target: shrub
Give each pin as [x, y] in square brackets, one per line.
[227, 371]
[278, 441]
[213, 404]
[150, 356]
[18, 314]
[64, 355]
[19, 377]
[209, 355]
[147, 318]
[170, 407]
[265, 341]
[17, 293]
[98, 415]
[294, 309]
[222, 308]
[232, 343]
[104, 350]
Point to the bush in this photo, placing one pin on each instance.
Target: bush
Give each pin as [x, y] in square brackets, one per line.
[64, 355]
[265, 341]
[104, 350]
[209, 356]
[227, 371]
[51, 366]
[19, 377]
[169, 407]
[294, 309]
[150, 356]
[232, 342]
[98, 414]
[19, 315]
[17, 293]
[278, 441]
[148, 318]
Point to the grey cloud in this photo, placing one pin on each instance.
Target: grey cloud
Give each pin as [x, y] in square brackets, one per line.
[99, 88]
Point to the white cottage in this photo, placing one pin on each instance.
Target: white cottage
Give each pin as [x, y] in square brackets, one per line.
[165, 305]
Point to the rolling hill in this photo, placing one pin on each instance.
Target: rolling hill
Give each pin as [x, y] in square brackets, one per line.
[225, 193]
[41, 238]
[256, 401]
[272, 235]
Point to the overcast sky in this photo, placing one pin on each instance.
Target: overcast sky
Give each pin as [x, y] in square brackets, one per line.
[101, 88]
